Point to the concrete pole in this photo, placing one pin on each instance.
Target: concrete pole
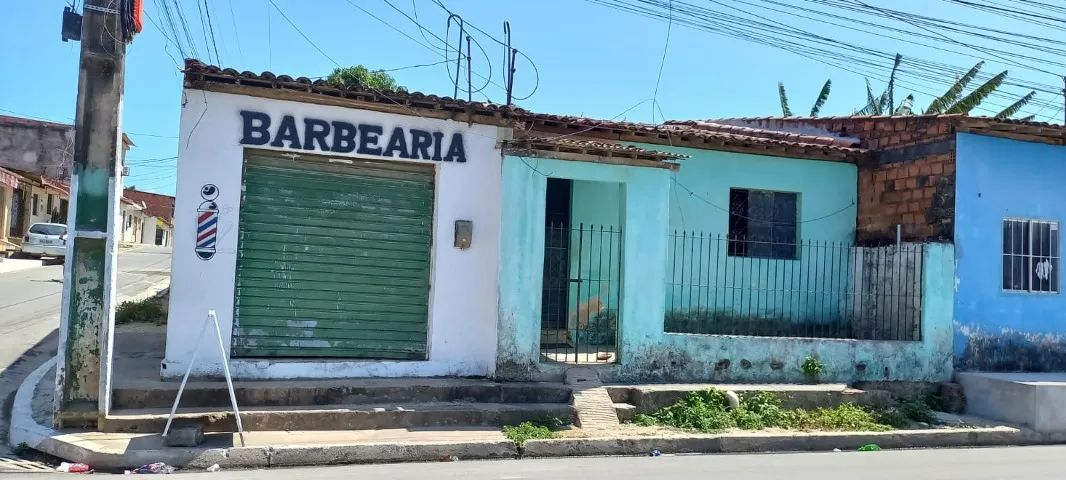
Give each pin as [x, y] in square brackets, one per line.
[83, 372]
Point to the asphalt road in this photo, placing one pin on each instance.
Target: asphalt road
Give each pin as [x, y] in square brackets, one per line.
[1029, 463]
[29, 314]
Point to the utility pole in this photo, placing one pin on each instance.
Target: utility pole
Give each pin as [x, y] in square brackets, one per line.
[83, 371]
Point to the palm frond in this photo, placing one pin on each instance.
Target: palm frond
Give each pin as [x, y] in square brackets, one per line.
[822, 97]
[873, 105]
[1028, 118]
[1016, 106]
[978, 95]
[950, 97]
[906, 107]
[887, 98]
[784, 99]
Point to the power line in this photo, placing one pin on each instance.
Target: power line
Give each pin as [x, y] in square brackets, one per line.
[203, 28]
[662, 62]
[185, 27]
[236, 34]
[211, 28]
[302, 34]
[536, 70]
[844, 55]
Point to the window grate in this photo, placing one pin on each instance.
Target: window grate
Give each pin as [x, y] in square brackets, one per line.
[1031, 255]
[762, 224]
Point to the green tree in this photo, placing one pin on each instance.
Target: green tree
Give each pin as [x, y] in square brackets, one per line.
[360, 76]
[823, 95]
[952, 101]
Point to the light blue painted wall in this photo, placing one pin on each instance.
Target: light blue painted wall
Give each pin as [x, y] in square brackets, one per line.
[998, 178]
[644, 196]
[771, 288]
[728, 358]
[646, 352]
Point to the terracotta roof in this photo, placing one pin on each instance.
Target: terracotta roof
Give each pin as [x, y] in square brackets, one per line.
[1006, 127]
[198, 73]
[591, 147]
[685, 129]
[712, 126]
[202, 76]
[156, 205]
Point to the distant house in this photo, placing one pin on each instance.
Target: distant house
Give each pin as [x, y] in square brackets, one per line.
[35, 165]
[994, 189]
[36, 161]
[158, 216]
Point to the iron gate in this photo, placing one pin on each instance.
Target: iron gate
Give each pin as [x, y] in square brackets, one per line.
[581, 295]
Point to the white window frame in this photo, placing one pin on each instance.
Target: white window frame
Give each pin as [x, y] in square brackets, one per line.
[1028, 259]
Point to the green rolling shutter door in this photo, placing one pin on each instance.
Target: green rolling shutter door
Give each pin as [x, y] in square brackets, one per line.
[333, 259]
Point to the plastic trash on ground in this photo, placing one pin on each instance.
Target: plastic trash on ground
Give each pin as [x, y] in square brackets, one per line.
[870, 447]
[152, 468]
[655, 453]
[73, 468]
[214, 468]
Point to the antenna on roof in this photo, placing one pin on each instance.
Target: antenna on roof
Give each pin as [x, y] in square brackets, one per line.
[509, 55]
[459, 50]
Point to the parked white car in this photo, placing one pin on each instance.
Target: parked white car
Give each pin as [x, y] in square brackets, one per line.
[45, 239]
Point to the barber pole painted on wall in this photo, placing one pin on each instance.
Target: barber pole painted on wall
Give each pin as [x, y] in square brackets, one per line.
[207, 223]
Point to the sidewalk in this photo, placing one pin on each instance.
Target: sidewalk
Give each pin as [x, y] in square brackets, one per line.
[31, 420]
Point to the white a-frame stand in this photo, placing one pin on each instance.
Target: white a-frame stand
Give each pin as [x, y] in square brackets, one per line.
[211, 318]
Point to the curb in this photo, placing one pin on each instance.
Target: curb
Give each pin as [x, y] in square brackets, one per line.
[774, 442]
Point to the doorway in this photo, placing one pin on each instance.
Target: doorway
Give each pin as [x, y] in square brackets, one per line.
[582, 272]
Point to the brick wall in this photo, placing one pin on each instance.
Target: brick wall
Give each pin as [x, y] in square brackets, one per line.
[909, 180]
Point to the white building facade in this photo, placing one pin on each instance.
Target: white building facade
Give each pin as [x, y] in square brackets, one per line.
[334, 241]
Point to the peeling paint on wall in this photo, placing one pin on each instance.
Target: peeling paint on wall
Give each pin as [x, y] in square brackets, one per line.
[1011, 351]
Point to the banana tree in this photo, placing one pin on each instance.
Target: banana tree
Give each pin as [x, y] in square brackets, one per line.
[823, 95]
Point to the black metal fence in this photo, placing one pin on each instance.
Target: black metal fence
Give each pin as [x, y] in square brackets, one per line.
[581, 293]
[718, 285]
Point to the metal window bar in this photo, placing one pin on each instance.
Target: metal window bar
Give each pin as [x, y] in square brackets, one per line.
[825, 290]
[1031, 257]
[581, 296]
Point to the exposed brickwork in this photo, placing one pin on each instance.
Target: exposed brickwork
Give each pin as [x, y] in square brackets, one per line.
[909, 181]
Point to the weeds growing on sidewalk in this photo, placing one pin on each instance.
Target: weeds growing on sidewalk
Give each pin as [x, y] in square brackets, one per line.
[707, 411]
[149, 310]
[540, 429]
[525, 431]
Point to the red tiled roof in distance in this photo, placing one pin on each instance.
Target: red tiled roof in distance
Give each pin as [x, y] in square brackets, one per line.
[156, 204]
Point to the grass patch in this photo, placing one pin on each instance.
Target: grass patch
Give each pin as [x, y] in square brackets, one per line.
[22, 449]
[707, 411]
[150, 310]
[525, 431]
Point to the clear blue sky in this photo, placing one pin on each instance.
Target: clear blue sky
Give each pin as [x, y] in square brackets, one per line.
[594, 60]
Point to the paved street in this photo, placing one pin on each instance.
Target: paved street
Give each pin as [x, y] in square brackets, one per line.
[973, 464]
[1030, 463]
[29, 313]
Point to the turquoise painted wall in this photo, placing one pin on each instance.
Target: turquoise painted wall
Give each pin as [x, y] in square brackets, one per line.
[726, 358]
[704, 277]
[643, 195]
[646, 351]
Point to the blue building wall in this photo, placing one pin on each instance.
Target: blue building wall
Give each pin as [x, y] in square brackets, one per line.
[1002, 330]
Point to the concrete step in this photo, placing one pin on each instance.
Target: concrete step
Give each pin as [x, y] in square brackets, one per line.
[1034, 400]
[340, 417]
[625, 411]
[308, 393]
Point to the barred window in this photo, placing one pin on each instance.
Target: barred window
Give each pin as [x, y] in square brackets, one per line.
[762, 224]
[1030, 255]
